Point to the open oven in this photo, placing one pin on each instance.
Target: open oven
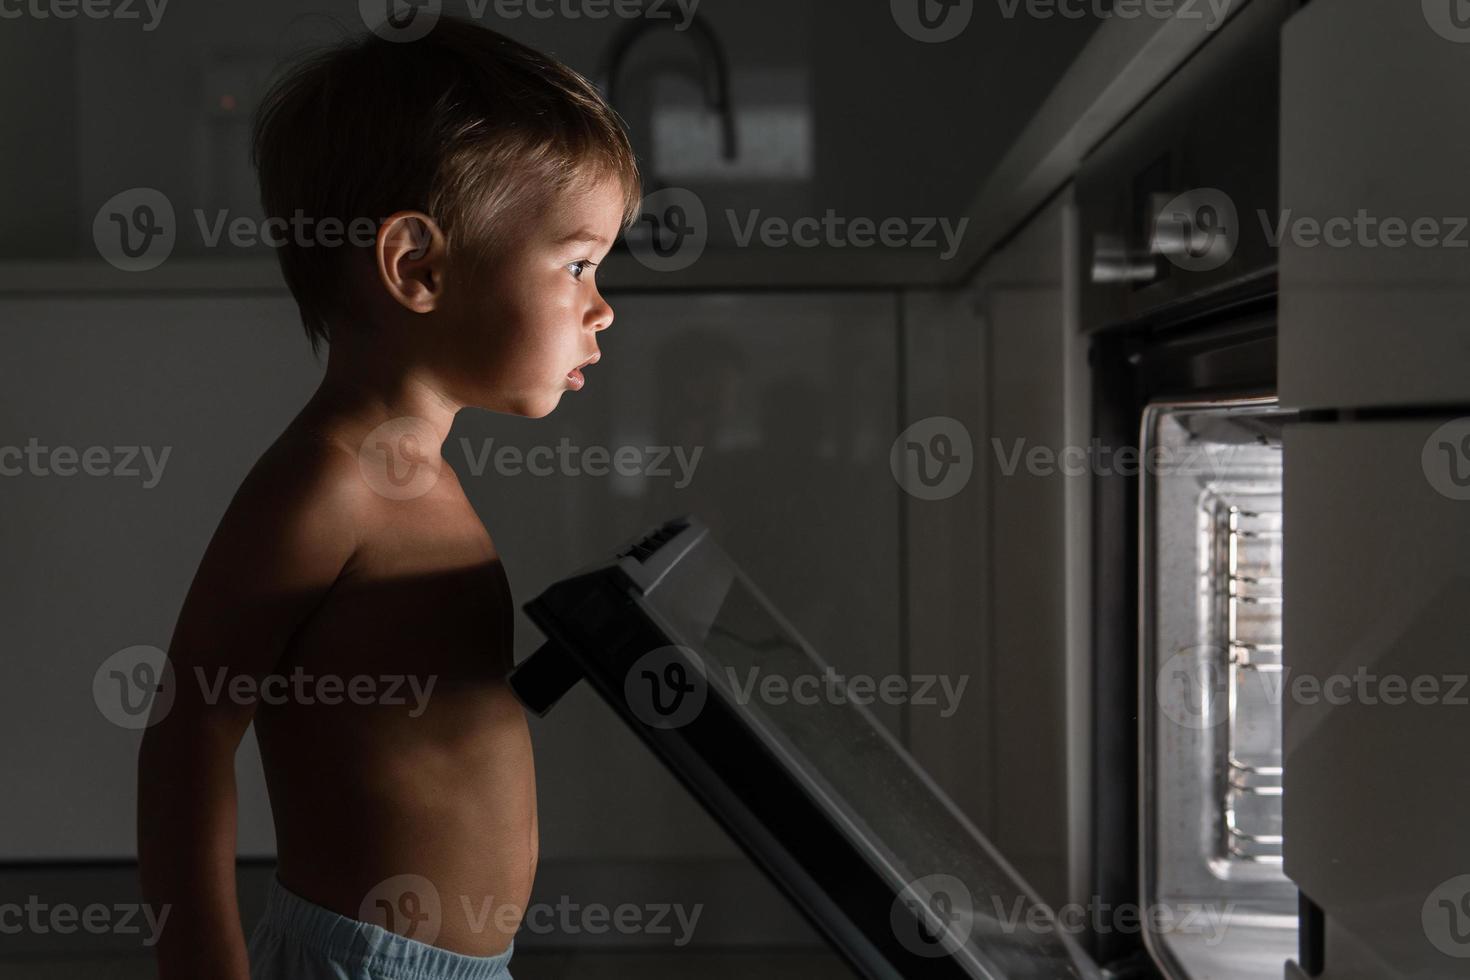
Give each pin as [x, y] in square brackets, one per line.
[1178, 296]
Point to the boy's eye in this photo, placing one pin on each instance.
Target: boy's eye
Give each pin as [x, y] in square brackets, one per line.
[580, 266]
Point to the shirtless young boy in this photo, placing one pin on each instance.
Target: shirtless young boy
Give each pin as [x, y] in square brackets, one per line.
[495, 179]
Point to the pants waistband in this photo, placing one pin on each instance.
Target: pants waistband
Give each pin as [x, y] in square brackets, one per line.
[355, 943]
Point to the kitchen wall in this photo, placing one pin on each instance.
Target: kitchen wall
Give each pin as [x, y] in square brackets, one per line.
[997, 571]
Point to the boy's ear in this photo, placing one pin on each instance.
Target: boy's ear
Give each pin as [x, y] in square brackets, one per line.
[412, 256]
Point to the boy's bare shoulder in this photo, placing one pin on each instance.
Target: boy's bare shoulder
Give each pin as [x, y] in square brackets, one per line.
[287, 535]
[295, 518]
[306, 477]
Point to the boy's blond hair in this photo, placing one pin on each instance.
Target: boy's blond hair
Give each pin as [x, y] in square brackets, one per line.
[478, 131]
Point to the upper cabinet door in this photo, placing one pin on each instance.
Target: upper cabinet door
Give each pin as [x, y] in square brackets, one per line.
[1375, 248]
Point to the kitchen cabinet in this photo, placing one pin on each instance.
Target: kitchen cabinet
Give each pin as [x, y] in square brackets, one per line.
[1375, 701]
[1375, 219]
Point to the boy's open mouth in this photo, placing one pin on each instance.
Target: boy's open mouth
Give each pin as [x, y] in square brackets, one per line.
[575, 374]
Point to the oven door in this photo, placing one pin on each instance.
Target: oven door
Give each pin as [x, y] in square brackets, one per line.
[681, 645]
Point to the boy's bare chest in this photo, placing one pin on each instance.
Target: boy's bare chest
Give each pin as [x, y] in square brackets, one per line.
[425, 586]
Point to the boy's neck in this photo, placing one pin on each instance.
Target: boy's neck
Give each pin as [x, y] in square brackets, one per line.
[361, 391]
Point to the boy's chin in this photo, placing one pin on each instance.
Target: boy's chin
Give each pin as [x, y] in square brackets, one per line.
[532, 408]
[544, 408]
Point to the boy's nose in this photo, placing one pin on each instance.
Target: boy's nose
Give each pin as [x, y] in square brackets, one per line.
[602, 315]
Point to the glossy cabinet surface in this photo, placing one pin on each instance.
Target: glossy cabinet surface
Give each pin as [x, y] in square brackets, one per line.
[1375, 697]
[1375, 255]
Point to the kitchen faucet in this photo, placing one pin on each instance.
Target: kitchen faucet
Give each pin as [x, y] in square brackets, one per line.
[716, 75]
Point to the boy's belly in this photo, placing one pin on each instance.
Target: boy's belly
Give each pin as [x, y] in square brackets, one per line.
[411, 802]
[425, 825]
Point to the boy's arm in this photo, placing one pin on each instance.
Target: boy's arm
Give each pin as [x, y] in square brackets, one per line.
[273, 558]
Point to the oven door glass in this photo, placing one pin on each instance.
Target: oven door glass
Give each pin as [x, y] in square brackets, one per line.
[681, 645]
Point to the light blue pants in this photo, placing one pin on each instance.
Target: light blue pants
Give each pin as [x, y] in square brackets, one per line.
[297, 940]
